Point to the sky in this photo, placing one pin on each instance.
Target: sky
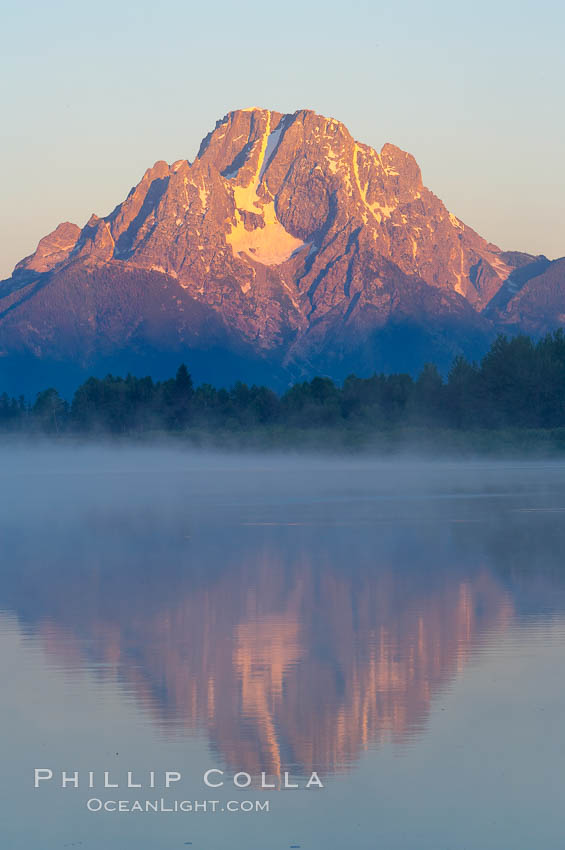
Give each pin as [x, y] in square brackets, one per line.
[93, 94]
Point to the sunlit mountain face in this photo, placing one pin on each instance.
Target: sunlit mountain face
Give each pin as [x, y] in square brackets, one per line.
[287, 245]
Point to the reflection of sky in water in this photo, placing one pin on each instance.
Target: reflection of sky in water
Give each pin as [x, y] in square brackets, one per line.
[399, 625]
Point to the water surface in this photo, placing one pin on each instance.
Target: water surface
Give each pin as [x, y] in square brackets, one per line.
[396, 626]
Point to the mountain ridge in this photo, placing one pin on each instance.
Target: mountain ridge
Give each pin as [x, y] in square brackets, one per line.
[285, 242]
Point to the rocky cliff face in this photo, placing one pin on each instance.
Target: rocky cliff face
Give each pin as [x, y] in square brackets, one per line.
[286, 242]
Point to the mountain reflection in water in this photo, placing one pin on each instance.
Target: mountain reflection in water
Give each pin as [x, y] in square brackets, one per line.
[298, 641]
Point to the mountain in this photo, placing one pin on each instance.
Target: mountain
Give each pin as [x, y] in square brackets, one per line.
[285, 249]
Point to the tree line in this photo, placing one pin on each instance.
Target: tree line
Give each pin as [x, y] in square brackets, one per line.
[519, 383]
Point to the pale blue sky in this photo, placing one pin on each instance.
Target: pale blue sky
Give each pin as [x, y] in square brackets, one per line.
[92, 94]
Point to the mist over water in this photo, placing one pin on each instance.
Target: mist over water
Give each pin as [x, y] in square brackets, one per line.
[396, 625]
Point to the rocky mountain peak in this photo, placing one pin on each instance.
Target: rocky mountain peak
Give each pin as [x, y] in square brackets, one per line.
[289, 233]
[52, 250]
